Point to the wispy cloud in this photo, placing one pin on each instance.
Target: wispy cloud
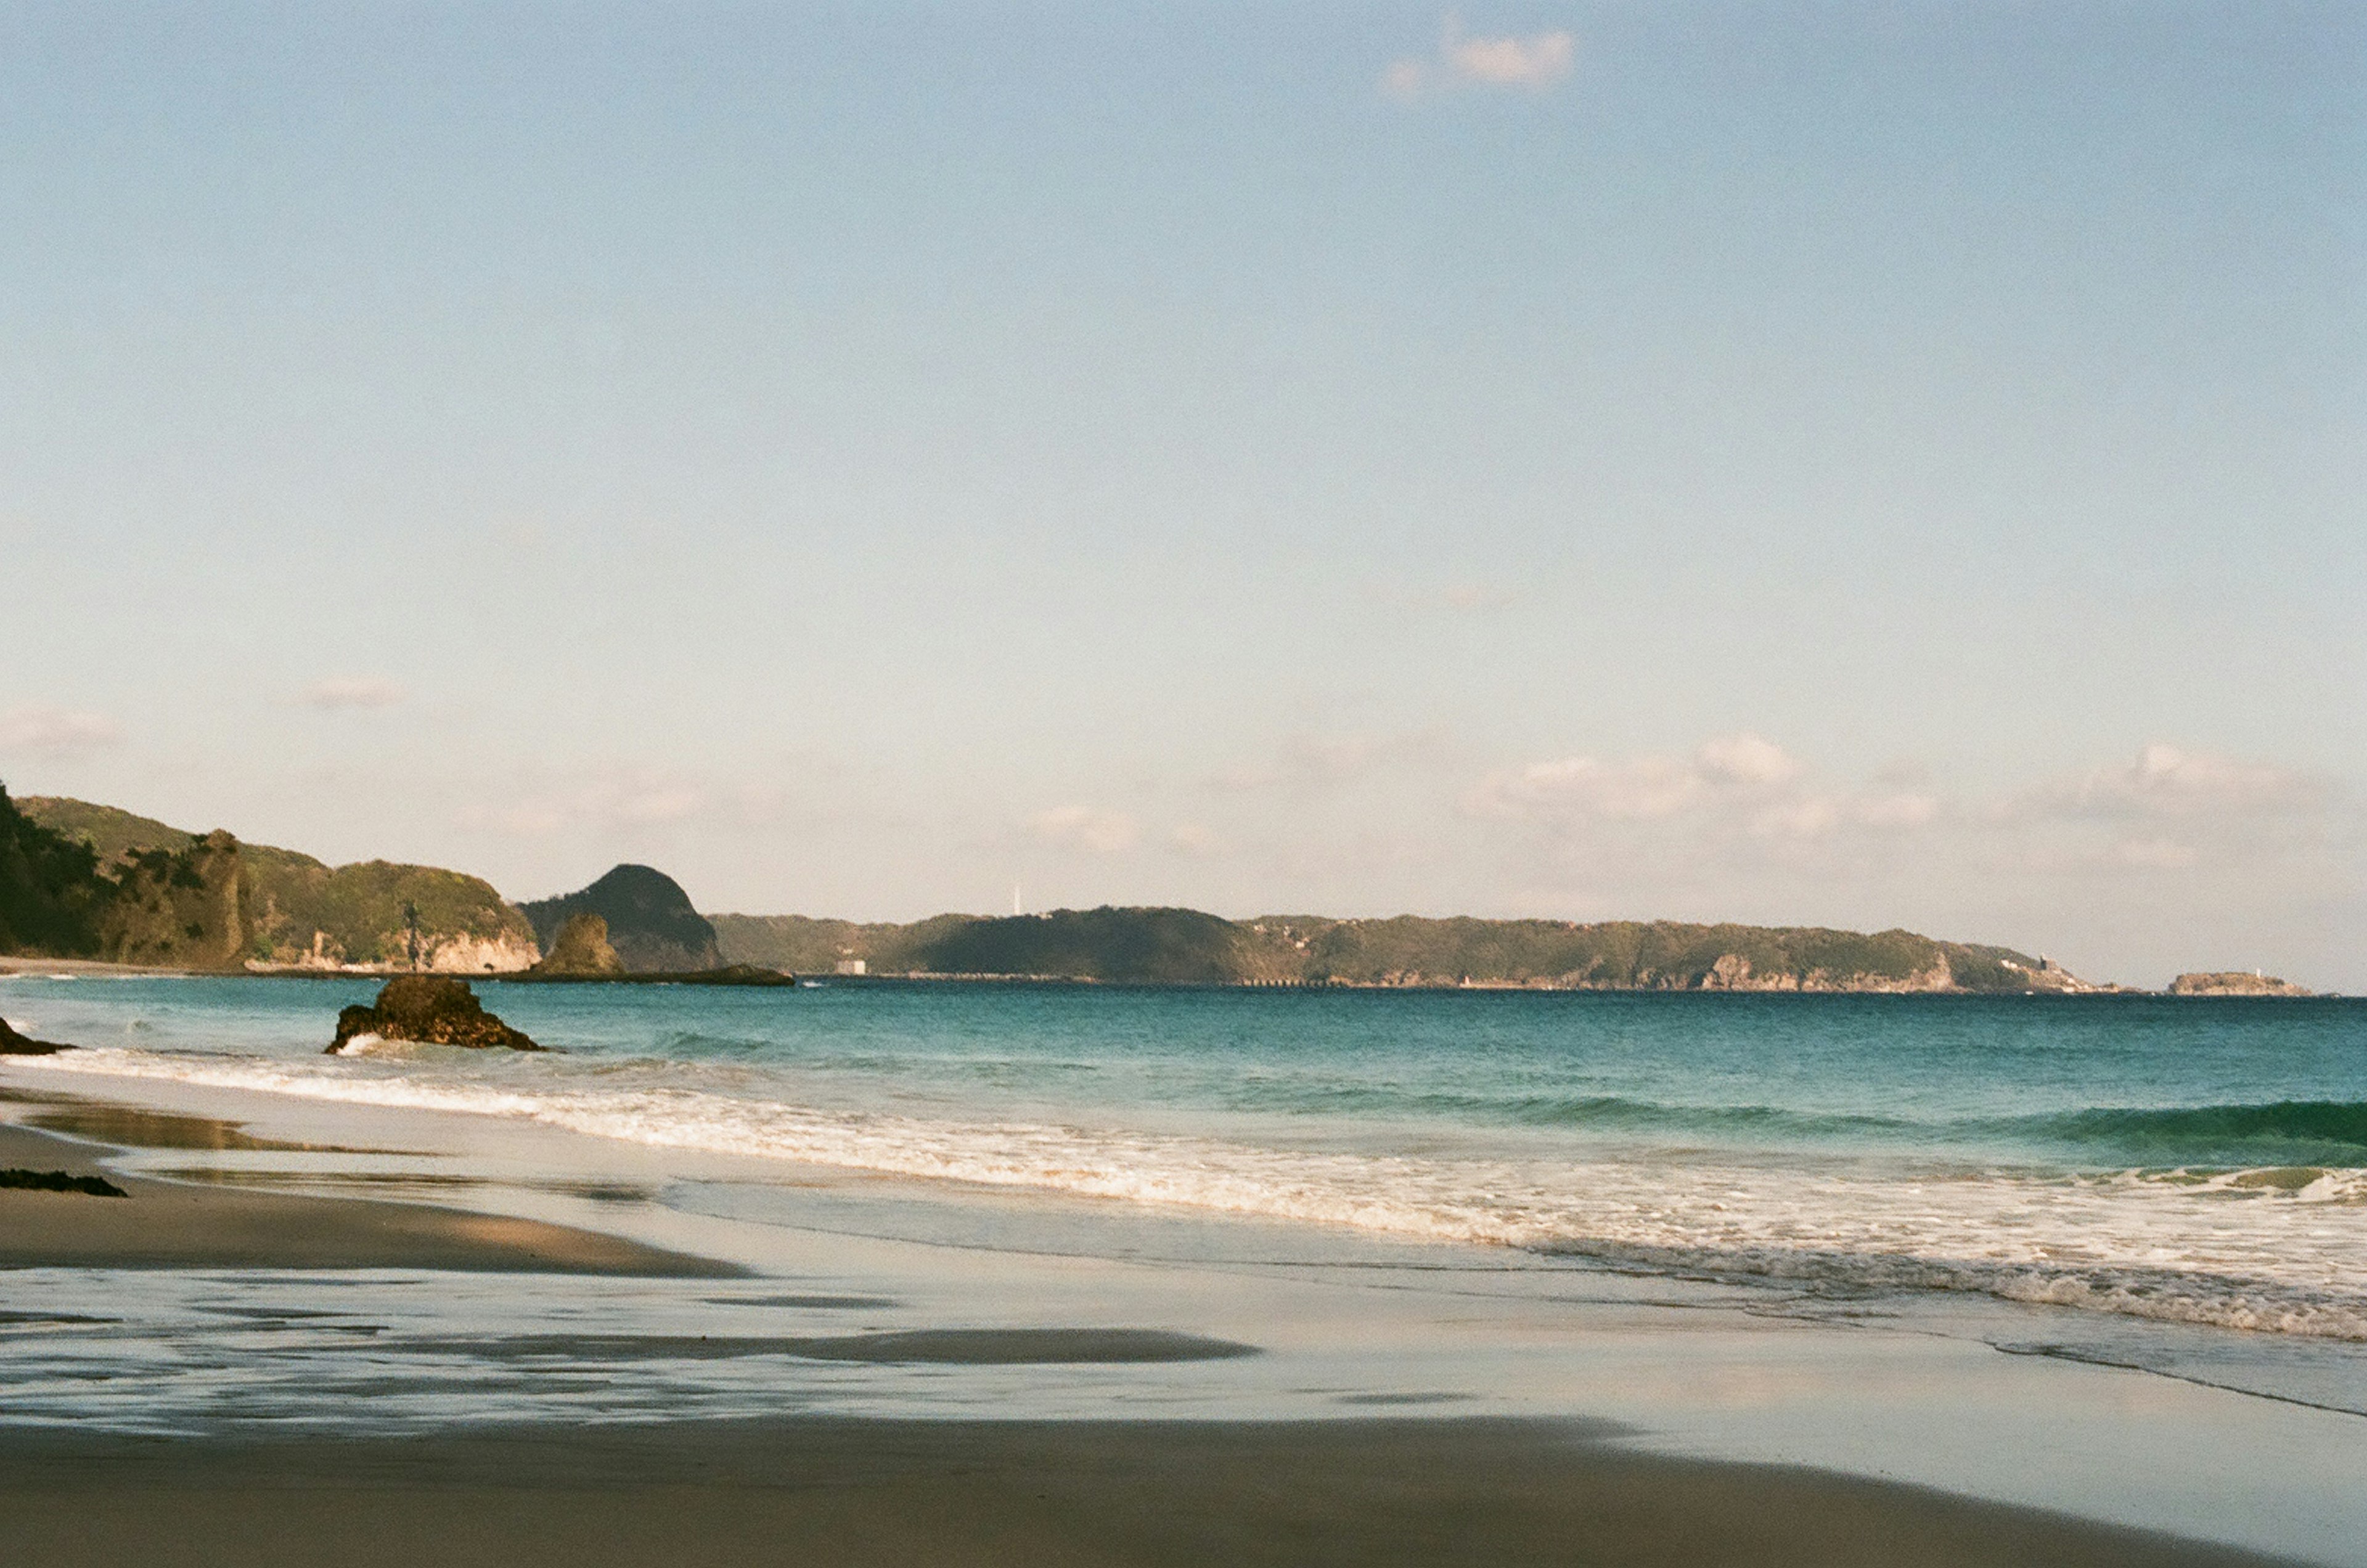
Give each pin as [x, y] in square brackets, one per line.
[1307, 761]
[1531, 62]
[606, 800]
[2169, 811]
[1083, 828]
[1635, 788]
[40, 728]
[2169, 781]
[353, 692]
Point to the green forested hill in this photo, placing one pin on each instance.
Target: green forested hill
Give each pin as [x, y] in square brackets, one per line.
[52, 894]
[214, 901]
[1159, 945]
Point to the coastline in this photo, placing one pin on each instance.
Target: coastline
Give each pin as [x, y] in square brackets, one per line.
[1645, 1420]
[182, 1224]
[1147, 1495]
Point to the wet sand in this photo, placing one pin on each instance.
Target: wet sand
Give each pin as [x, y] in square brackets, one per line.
[170, 1224]
[852, 1491]
[848, 1492]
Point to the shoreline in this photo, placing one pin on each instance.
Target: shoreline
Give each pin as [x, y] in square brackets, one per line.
[1144, 1494]
[182, 1224]
[877, 1394]
[754, 977]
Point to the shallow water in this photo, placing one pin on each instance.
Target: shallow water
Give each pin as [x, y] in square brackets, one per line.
[2178, 1160]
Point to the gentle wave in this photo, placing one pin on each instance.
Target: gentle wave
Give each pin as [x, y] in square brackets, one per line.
[2295, 1132]
[2281, 1248]
[2279, 1133]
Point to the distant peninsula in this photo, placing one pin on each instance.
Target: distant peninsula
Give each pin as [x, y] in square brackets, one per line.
[79, 880]
[1189, 947]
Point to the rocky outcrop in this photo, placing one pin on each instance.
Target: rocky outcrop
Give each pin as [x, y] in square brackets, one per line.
[164, 896]
[581, 950]
[15, 1045]
[2233, 983]
[651, 922]
[433, 1010]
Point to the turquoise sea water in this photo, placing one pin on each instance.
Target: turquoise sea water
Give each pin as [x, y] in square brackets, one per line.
[2194, 1161]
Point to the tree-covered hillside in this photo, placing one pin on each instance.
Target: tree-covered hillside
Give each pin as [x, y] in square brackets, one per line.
[1161, 945]
[175, 898]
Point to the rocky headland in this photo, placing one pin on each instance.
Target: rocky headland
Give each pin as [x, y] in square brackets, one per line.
[432, 1009]
[140, 891]
[2233, 983]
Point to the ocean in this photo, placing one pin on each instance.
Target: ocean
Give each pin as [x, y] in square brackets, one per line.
[2188, 1161]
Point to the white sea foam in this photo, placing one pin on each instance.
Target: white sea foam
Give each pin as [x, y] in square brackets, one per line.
[2284, 1251]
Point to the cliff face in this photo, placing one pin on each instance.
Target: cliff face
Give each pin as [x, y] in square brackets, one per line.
[652, 925]
[580, 949]
[212, 902]
[186, 908]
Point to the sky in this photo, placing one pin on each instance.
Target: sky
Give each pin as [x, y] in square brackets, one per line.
[1870, 465]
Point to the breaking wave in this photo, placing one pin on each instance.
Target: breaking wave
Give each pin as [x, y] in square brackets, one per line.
[2279, 1245]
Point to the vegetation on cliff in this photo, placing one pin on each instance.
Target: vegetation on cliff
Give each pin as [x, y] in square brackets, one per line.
[809, 945]
[51, 890]
[171, 897]
[2233, 983]
[1171, 946]
[177, 902]
[1147, 946]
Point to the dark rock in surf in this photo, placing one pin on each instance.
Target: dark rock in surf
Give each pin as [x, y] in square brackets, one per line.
[434, 1009]
[15, 1045]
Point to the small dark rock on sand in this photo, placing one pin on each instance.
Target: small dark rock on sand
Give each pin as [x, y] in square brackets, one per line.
[15, 1045]
[58, 1181]
[434, 1009]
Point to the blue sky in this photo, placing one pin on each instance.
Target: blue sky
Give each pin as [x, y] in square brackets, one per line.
[1861, 464]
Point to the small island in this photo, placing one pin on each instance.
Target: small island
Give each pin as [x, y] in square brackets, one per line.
[432, 1009]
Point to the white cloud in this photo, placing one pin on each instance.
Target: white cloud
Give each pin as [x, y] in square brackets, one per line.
[1640, 787]
[619, 799]
[1314, 759]
[2167, 781]
[1811, 817]
[353, 692]
[1746, 759]
[1083, 828]
[1533, 62]
[39, 728]
[1727, 768]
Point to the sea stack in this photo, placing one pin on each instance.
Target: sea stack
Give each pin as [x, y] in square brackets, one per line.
[580, 949]
[433, 1010]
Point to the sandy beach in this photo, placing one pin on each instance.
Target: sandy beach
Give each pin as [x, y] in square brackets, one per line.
[179, 1224]
[1380, 1492]
[1369, 1489]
